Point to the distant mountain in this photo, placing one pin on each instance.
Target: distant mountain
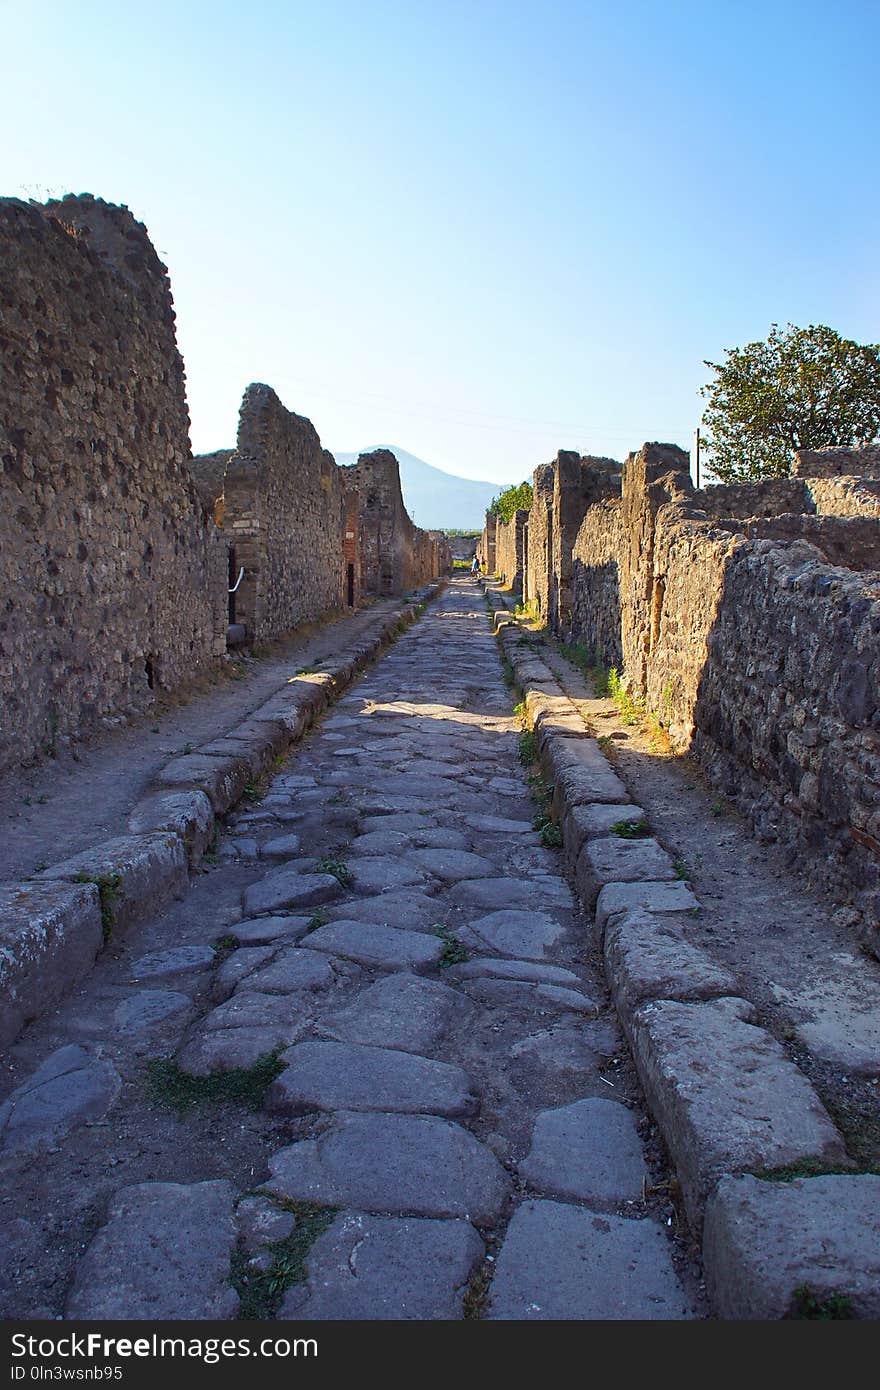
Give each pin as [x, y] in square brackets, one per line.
[436, 500]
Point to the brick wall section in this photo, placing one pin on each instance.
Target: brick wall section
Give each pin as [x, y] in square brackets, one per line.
[284, 514]
[108, 560]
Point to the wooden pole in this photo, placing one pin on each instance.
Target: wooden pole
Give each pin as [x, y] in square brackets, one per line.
[698, 456]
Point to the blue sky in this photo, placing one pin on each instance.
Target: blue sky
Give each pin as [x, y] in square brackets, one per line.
[482, 231]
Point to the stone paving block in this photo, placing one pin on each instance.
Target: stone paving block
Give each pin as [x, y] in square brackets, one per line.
[238, 966]
[560, 1262]
[349, 1076]
[725, 1095]
[384, 874]
[416, 1164]
[293, 970]
[177, 960]
[144, 871]
[49, 937]
[379, 842]
[378, 1268]
[236, 1049]
[515, 894]
[164, 1253]
[451, 865]
[372, 945]
[280, 847]
[409, 909]
[288, 888]
[72, 1087]
[519, 934]
[188, 814]
[647, 956]
[441, 838]
[523, 994]
[589, 1151]
[763, 1241]
[615, 860]
[663, 897]
[503, 969]
[149, 1009]
[223, 780]
[400, 1011]
[262, 931]
[248, 1008]
[499, 825]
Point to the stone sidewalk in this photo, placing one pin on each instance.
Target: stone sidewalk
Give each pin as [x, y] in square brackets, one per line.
[387, 961]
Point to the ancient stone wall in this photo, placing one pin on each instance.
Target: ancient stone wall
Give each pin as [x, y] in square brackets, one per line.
[540, 541]
[509, 550]
[753, 637]
[395, 554]
[284, 516]
[487, 554]
[109, 569]
[860, 461]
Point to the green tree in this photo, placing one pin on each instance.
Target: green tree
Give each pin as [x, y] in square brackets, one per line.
[804, 388]
[511, 500]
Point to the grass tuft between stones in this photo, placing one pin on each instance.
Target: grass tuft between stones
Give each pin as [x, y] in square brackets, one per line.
[110, 890]
[453, 952]
[476, 1297]
[809, 1306]
[261, 1291]
[337, 868]
[170, 1086]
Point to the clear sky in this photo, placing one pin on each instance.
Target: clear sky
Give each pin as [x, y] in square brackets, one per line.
[483, 231]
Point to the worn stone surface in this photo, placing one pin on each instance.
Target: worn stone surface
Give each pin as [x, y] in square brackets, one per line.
[589, 1152]
[73, 1087]
[764, 1241]
[290, 889]
[616, 860]
[402, 1011]
[393, 1164]
[563, 1262]
[49, 937]
[369, 944]
[516, 894]
[652, 897]
[451, 865]
[177, 960]
[648, 957]
[382, 1267]
[529, 994]
[725, 1095]
[148, 1009]
[164, 1252]
[266, 929]
[349, 1076]
[520, 934]
[501, 969]
[409, 909]
[384, 874]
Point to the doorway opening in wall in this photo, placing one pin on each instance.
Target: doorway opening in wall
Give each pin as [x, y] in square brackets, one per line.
[150, 672]
[231, 582]
[350, 586]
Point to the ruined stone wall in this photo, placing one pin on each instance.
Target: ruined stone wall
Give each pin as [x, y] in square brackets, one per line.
[509, 539]
[395, 554]
[540, 541]
[754, 640]
[860, 461]
[109, 570]
[487, 547]
[284, 519]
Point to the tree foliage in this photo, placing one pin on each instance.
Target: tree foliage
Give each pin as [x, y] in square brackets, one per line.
[804, 388]
[512, 499]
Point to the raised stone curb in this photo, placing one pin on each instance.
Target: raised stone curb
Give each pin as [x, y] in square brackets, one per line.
[726, 1096]
[49, 939]
[648, 957]
[772, 1249]
[136, 875]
